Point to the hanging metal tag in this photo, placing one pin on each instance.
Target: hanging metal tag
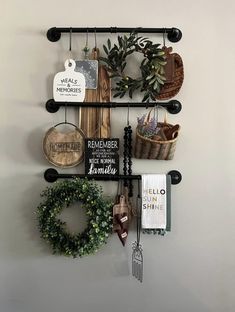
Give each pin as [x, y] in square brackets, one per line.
[89, 68]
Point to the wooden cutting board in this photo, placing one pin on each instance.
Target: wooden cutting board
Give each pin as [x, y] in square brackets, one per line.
[104, 95]
[88, 116]
[95, 122]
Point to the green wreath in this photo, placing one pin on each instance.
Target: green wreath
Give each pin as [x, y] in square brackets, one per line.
[53, 230]
[152, 67]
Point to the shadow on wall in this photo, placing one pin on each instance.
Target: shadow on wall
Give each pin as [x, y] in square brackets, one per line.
[36, 150]
[25, 148]
[23, 195]
[49, 86]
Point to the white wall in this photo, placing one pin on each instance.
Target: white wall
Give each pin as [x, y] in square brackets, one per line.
[192, 268]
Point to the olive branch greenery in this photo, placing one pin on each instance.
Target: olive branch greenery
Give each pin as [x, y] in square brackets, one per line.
[98, 210]
[152, 66]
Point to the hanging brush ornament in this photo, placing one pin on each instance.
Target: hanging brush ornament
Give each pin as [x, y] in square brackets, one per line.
[137, 253]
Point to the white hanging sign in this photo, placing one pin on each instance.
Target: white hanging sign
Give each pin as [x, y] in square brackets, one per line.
[154, 201]
[69, 86]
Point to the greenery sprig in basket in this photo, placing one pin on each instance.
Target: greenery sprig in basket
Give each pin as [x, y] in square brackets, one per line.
[152, 66]
[147, 128]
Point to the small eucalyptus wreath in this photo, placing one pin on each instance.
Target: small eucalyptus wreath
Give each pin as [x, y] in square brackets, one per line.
[62, 194]
[151, 68]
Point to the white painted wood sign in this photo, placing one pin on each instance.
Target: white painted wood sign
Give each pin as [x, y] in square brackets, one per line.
[69, 86]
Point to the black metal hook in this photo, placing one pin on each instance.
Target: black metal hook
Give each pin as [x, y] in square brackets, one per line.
[65, 113]
[128, 114]
[95, 39]
[164, 38]
[70, 39]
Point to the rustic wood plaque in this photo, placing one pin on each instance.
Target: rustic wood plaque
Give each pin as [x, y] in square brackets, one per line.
[101, 156]
[64, 149]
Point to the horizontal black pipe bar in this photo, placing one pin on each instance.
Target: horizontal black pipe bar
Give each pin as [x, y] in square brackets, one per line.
[173, 34]
[113, 29]
[51, 175]
[172, 106]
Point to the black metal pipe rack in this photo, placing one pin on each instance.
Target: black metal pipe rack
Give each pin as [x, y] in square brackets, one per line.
[173, 34]
[51, 175]
[173, 106]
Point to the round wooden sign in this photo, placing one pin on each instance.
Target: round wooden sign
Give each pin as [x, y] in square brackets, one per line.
[172, 86]
[64, 149]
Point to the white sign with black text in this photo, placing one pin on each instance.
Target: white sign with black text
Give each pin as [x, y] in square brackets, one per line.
[69, 85]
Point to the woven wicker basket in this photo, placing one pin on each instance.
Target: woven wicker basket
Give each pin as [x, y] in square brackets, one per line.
[169, 90]
[147, 148]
